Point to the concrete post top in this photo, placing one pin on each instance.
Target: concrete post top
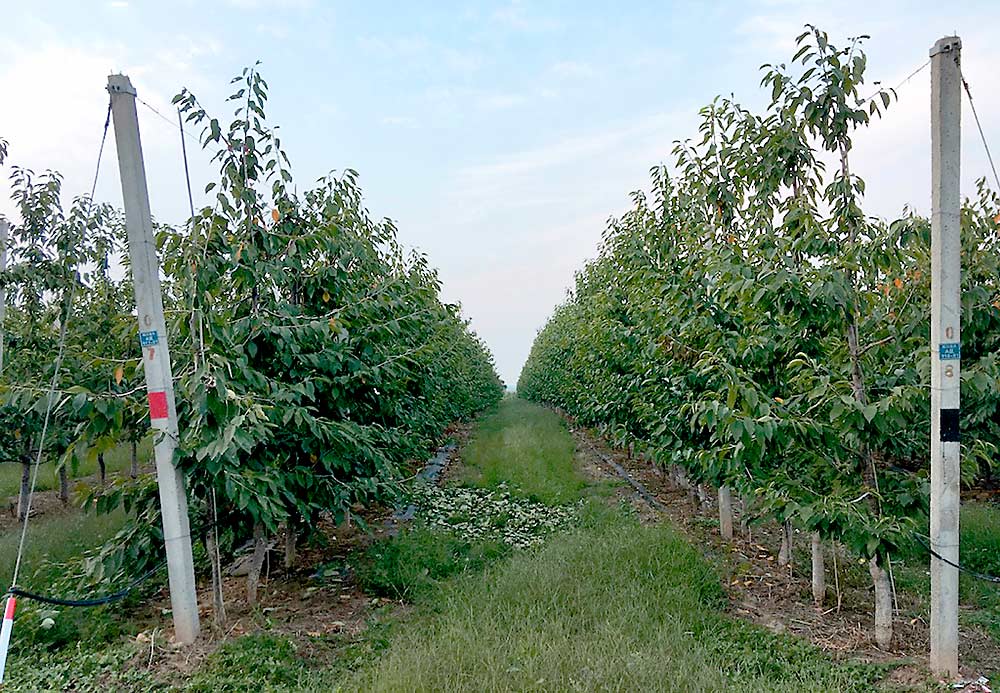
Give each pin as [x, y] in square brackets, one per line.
[120, 84]
[946, 45]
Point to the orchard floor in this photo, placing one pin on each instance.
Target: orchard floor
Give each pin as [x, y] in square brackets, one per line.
[615, 598]
[780, 598]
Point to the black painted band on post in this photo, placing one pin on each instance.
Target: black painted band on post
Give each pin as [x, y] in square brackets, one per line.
[949, 426]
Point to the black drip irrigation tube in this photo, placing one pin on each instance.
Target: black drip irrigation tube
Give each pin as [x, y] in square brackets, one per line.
[656, 504]
[623, 473]
[430, 473]
[968, 571]
[94, 601]
[16, 591]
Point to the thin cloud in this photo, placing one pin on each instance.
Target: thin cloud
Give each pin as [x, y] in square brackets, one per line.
[395, 48]
[44, 137]
[279, 32]
[567, 150]
[652, 58]
[271, 4]
[456, 102]
[572, 69]
[515, 16]
[902, 136]
[399, 121]
[461, 61]
[421, 51]
[185, 52]
[500, 102]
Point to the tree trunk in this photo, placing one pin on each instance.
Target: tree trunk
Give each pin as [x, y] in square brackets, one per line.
[256, 563]
[691, 488]
[22, 499]
[883, 603]
[291, 535]
[854, 351]
[744, 515]
[880, 578]
[654, 466]
[218, 601]
[134, 468]
[103, 467]
[725, 513]
[836, 578]
[818, 571]
[785, 553]
[63, 484]
[678, 476]
[861, 396]
[704, 498]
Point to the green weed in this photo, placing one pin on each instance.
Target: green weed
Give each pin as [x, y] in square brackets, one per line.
[415, 561]
[262, 662]
[527, 448]
[616, 606]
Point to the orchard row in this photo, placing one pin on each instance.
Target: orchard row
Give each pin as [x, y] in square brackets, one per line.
[749, 325]
[312, 355]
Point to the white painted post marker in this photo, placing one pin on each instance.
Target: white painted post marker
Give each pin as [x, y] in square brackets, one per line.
[8, 625]
[946, 348]
[156, 358]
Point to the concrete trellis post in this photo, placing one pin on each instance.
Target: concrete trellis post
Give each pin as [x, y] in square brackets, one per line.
[946, 341]
[156, 358]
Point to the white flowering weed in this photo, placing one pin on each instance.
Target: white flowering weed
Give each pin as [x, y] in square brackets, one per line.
[490, 514]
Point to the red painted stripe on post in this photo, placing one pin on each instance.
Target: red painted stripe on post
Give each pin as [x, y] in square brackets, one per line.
[8, 613]
[157, 405]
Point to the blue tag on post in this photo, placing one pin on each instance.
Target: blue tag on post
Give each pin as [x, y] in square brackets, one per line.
[950, 352]
[150, 338]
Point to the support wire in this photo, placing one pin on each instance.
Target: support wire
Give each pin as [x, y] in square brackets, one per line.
[57, 367]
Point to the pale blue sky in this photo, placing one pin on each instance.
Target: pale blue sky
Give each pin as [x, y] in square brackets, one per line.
[499, 135]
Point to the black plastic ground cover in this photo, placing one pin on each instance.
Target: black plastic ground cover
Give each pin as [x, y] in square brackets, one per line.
[430, 473]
